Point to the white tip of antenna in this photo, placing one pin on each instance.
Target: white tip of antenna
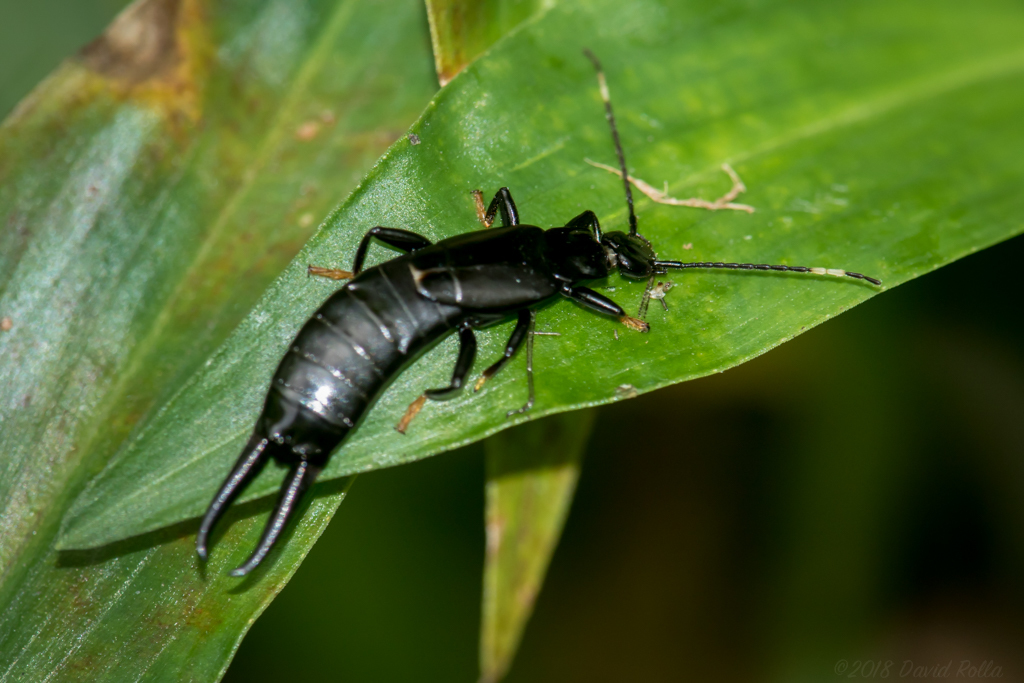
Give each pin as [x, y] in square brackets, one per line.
[828, 271]
[603, 84]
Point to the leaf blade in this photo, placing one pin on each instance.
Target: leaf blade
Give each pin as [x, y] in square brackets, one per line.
[531, 478]
[461, 31]
[851, 109]
[139, 231]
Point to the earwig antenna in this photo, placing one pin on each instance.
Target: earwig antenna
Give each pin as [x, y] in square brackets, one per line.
[608, 114]
[299, 479]
[764, 266]
[254, 457]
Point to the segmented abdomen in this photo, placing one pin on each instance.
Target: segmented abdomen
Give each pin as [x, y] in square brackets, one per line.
[345, 354]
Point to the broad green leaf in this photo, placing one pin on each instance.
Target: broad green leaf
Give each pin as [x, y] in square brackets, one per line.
[531, 477]
[461, 30]
[874, 137]
[150, 189]
[532, 470]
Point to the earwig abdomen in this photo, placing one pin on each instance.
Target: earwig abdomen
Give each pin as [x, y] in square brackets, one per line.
[343, 357]
[334, 370]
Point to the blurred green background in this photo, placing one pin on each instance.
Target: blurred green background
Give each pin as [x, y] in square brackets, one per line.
[853, 496]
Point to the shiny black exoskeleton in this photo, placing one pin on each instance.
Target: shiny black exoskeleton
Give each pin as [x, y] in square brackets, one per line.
[381, 320]
[367, 331]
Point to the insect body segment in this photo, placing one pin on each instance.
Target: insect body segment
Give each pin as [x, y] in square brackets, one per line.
[378, 323]
[374, 326]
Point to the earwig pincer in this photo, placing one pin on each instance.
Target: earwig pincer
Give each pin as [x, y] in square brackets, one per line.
[385, 316]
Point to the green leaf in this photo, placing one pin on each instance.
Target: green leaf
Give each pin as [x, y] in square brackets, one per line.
[531, 477]
[461, 30]
[150, 189]
[877, 138]
[532, 469]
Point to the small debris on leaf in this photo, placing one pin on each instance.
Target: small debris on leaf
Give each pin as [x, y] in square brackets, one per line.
[307, 131]
[626, 391]
[658, 292]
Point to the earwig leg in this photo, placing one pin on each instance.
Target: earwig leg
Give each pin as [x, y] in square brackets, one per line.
[464, 363]
[249, 465]
[588, 220]
[329, 273]
[404, 240]
[529, 369]
[594, 301]
[298, 482]
[502, 201]
[659, 292]
[645, 300]
[602, 304]
[514, 342]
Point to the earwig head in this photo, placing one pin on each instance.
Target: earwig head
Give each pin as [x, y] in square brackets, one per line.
[632, 254]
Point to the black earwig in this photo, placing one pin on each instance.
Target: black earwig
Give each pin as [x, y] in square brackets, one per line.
[385, 316]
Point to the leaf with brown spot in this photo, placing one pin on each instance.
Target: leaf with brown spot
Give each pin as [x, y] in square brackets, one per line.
[150, 188]
[817, 163]
[142, 43]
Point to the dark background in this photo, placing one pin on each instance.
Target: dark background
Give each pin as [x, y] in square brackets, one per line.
[853, 495]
